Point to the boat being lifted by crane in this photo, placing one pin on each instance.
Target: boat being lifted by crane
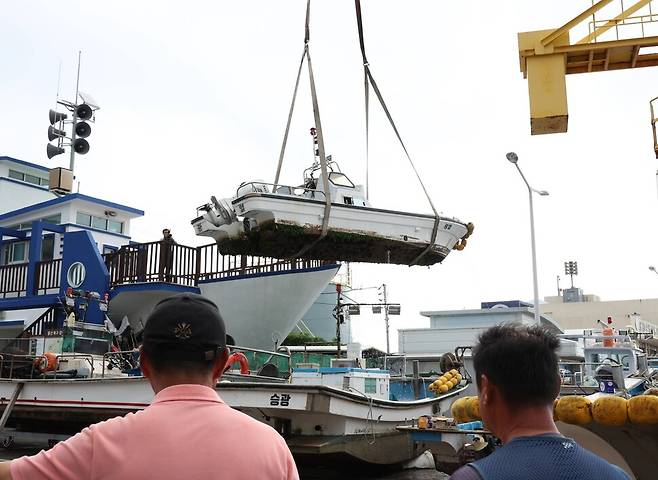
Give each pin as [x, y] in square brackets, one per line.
[327, 216]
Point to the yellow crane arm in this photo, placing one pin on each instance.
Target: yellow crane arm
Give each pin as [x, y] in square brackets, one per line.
[547, 56]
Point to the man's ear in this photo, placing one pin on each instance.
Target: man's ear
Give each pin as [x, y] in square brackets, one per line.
[485, 390]
[220, 364]
[144, 363]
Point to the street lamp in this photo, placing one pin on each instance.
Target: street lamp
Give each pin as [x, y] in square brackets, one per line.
[514, 158]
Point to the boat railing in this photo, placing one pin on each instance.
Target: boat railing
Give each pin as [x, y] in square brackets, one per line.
[159, 261]
[10, 363]
[278, 189]
[259, 360]
[212, 265]
[13, 280]
[88, 357]
[578, 374]
[121, 359]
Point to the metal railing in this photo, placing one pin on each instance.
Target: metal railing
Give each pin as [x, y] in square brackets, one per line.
[48, 275]
[212, 265]
[13, 280]
[152, 262]
[278, 189]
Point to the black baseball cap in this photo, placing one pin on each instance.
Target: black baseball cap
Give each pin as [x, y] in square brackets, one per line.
[189, 325]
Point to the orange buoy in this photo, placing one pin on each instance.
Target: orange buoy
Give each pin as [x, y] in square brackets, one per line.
[242, 359]
[46, 362]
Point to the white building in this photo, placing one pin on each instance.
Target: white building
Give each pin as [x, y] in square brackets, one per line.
[24, 198]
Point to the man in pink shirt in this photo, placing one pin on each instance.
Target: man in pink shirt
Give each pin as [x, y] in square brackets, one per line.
[187, 432]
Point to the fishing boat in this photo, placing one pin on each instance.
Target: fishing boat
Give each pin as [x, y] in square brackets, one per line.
[281, 221]
[345, 412]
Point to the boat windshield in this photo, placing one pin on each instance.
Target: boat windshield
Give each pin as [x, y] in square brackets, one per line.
[340, 180]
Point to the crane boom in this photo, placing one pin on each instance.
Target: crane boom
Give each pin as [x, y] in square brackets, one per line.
[547, 56]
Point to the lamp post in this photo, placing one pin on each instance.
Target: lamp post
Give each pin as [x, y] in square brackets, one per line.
[513, 158]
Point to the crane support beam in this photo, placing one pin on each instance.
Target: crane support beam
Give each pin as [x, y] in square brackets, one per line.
[615, 21]
[547, 56]
[573, 22]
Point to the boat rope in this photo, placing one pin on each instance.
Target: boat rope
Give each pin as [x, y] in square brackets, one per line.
[320, 138]
[370, 79]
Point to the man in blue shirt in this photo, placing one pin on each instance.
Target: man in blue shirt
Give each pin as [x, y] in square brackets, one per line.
[516, 370]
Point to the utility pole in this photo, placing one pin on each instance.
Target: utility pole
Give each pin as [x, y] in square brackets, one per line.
[339, 315]
[75, 116]
[388, 347]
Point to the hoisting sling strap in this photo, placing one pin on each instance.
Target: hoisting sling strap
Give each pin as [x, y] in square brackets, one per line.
[368, 78]
[318, 127]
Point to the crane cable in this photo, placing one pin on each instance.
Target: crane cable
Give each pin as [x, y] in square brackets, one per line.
[318, 126]
[369, 79]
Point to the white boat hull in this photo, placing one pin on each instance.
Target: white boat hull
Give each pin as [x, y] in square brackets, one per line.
[281, 226]
[261, 310]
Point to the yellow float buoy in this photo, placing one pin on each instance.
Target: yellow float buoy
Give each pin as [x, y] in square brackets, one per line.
[458, 410]
[643, 410]
[443, 388]
[473, 408]
[610, 410]
[574, 409]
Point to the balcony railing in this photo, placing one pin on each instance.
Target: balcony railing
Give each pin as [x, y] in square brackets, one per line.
[151, 262]
[13, 280]
[48, 275]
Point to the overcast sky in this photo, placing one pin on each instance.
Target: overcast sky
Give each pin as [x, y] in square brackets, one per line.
[194, 97]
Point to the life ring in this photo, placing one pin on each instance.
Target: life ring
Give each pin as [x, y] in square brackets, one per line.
[238, 357]
[46, 362]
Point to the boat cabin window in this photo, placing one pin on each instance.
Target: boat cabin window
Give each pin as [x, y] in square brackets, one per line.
[624, 360]
[340, 180]
[348, 200]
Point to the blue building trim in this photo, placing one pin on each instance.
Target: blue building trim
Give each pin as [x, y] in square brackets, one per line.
[145, 287]
[43, 188]
[69, 198]
[10, 232]
[12, 323]
[34, 255]
[272, 274]
[24, 303]
[5, 158]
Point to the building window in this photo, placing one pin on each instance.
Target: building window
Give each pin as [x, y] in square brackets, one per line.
[83, 219]
[56, 219]
[26, 177]
[32, 179]
[48, 247]
[99, 223]
[114, 226]
[16, 175]
[15, 252]
[109, 249]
